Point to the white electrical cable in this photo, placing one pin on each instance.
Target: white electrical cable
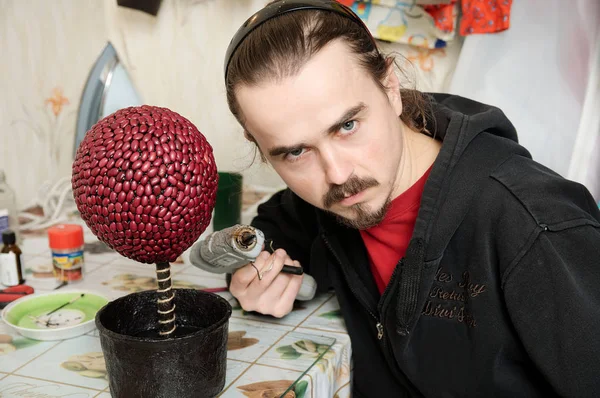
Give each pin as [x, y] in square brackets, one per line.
[56, 201]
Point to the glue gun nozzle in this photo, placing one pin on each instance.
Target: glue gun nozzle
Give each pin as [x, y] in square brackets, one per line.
[247, 239]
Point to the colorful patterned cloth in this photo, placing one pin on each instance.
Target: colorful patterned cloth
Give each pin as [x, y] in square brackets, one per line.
[484, 16]
[430, 26]
[402, 22]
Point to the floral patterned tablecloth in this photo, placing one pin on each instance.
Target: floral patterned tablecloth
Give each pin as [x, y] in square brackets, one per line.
[265, 355]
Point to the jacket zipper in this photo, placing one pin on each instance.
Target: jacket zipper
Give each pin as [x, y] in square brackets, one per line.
[365, 304]
[387, 351]
[382, 302]
[386, 293]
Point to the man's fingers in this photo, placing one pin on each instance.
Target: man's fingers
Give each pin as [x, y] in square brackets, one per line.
[272, 295]
[271, 269]
[288, 296]
[244, 276]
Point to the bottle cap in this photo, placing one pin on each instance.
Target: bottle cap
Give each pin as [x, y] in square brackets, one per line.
[8, 237]
[65, 236]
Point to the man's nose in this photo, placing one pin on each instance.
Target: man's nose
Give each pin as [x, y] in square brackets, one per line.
[337, 168]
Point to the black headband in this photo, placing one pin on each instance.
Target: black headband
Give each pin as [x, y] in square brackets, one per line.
[282, 7]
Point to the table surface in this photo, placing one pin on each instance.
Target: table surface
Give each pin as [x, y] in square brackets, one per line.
[265, 355]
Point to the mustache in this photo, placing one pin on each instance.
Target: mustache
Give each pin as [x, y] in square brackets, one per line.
[351, 187]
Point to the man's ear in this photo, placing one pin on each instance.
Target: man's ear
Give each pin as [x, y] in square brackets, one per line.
[392, 87]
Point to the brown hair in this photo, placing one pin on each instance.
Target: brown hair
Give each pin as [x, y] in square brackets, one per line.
[279, 47]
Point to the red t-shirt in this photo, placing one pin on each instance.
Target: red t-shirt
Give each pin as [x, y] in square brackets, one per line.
[387, 242]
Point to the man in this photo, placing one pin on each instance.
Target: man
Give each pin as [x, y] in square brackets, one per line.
[462, 267]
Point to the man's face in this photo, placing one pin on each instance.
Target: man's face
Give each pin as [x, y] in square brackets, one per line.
[331, 133]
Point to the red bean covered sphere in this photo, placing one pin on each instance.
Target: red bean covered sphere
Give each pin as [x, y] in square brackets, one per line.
[145, 181]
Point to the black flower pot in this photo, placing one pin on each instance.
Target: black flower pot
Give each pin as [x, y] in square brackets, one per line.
[190, 363]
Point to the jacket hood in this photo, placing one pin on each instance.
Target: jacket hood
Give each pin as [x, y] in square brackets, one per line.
[480, 117]
[458, 121]
[456, 176]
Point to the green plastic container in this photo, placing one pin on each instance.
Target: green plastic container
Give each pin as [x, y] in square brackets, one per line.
[228, 209]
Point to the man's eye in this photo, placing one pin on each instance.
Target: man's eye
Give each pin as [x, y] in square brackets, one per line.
[296, 152]
[294, 155]
[349, 126]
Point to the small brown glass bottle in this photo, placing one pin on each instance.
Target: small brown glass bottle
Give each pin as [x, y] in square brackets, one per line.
[11, 271]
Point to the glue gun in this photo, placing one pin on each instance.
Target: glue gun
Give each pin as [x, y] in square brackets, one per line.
[227, 250]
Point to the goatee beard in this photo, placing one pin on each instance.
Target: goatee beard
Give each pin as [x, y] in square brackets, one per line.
[364, 218]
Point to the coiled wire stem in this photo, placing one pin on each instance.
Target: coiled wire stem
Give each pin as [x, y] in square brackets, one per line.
[166, 305]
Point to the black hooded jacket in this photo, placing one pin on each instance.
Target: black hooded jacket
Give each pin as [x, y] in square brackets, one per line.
[499, 292]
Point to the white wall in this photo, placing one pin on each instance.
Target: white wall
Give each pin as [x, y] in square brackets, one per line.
[543, 73]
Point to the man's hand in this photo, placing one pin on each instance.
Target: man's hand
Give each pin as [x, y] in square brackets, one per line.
[275, 293]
